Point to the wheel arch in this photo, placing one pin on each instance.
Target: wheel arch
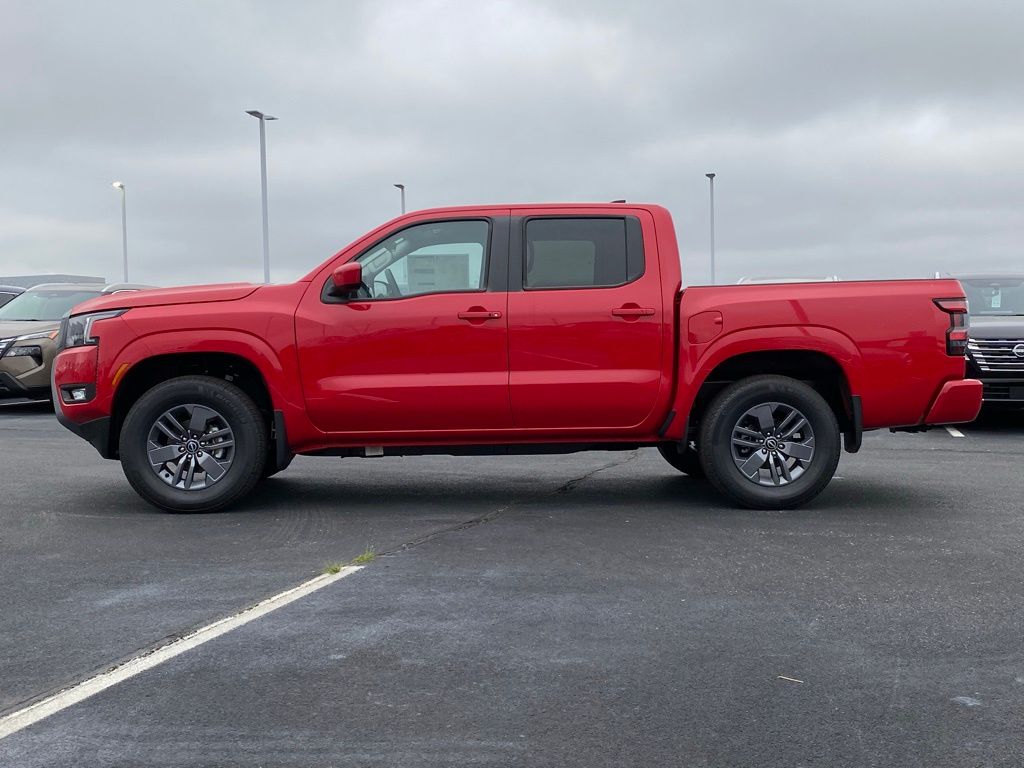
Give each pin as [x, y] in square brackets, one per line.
[827, 361]
[143, 375]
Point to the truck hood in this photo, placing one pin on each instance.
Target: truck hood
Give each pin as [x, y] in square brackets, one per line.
[990, 327]
[190, 294]
[11, 328]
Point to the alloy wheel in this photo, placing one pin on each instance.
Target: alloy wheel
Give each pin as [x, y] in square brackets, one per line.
[772, 444]
[190, 447]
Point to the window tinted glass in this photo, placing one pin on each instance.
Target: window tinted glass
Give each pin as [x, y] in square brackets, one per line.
[995, 297]
[439, 257]
[44, 304]
[578, 253]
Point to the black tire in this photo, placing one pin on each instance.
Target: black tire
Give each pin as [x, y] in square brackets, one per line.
[715, 446]
[686, 460]
[247, 424]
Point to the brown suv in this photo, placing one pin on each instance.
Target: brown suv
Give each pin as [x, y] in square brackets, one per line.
[29, 325]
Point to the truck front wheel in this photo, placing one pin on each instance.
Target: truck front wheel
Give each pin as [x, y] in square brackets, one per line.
[193, 444]
[769, 442]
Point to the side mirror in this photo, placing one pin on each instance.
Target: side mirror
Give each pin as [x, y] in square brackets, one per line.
[347, 278]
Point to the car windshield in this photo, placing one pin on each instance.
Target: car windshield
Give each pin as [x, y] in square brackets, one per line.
[994, 296]
[45, 303]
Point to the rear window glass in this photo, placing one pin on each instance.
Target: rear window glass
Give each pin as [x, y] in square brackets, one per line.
[579, 253]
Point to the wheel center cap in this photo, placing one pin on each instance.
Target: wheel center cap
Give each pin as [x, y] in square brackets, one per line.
[771, 443]
[192, 446]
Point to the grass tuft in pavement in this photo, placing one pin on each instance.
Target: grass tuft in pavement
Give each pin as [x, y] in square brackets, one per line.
[368, 556]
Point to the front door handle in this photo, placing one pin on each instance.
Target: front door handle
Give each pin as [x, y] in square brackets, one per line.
[632, 310]
[479, 314]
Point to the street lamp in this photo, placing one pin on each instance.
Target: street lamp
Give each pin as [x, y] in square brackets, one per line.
[124, 225]
[401, 187]
[711, 183]
[263, 180]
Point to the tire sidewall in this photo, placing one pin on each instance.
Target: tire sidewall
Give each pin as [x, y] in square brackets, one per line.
[231, 403]
[716, 442]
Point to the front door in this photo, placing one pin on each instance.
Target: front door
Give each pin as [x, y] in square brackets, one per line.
[585, 321]
[423, 348]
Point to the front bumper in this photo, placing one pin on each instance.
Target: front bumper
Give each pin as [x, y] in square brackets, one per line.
[10, 387]
[958, 402]
[1004, 391]
[90, 420]
[95, 432]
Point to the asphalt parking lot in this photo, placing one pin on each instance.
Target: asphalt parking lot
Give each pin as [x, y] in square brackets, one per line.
[592, 610]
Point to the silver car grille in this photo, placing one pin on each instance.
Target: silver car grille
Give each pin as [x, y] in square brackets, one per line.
[997, 354]
[4, 343]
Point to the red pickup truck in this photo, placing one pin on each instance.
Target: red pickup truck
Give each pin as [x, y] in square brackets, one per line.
[509, 329]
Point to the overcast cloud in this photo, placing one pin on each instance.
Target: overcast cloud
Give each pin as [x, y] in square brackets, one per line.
[860, 138]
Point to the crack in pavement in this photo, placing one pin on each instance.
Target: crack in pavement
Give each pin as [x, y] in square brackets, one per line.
[567, 487]
[173, 637]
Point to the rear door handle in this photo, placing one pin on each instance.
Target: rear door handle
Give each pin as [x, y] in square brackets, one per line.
[633, 311]
[479, 314]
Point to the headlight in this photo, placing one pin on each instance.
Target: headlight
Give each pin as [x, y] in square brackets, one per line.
[17, 348]
[77, 329]
[29, 350]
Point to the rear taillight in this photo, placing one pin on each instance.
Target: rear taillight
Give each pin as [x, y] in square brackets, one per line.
[959, 325]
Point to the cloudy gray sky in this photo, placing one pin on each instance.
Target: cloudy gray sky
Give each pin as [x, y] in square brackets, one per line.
[861, 138]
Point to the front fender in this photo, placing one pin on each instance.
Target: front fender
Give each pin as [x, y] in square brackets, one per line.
[279, 371]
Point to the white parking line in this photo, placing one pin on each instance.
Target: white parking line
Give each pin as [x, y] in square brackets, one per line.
[33, 713]
[954, 432]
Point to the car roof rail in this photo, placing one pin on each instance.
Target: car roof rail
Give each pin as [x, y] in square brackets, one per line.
[118, 287]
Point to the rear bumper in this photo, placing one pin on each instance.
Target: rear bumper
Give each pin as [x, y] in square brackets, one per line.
[957, 403]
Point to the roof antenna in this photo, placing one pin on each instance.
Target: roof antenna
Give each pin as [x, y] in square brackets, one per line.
[618, 201]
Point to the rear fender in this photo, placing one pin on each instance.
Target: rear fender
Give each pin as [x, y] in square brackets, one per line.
[698, 361]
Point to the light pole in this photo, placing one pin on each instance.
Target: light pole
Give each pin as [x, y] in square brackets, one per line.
[711, 183]
[263, 180]
[401, 187]
[124, 225]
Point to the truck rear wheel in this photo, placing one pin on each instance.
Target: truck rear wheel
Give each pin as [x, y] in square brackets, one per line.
[685, 460]
[193, 444]
[769, 442]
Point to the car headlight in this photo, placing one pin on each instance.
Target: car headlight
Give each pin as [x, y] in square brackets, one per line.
[16, 347]
[77, 329]
[27, 350]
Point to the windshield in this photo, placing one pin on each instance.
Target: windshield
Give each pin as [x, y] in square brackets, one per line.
[44, 304]
[993, 296]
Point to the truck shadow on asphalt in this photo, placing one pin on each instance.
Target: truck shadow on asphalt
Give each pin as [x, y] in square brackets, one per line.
[674, 495]
[649, 495]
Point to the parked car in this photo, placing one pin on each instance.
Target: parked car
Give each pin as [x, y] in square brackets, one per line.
[8, 292]
[995, 352]
[523, 329]
[29, 325]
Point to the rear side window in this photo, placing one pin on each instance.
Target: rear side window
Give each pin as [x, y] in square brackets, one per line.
[582, 252]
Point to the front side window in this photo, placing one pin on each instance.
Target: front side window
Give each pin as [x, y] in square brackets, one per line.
[438, 257]
[578, 253]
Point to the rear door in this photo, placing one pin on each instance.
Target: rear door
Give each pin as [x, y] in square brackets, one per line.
[585, 320]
